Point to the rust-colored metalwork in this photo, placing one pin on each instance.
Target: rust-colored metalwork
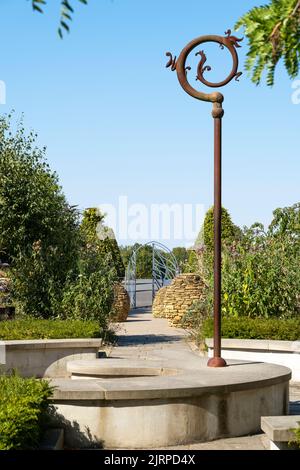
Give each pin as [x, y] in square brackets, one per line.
[229, 42]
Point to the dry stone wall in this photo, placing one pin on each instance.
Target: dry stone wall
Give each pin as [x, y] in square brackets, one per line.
[174, 301]
[121, 305]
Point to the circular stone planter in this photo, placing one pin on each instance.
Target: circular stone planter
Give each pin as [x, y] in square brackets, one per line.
[165, 401]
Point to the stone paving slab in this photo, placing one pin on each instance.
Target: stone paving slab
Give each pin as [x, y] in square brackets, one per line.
[257, 442]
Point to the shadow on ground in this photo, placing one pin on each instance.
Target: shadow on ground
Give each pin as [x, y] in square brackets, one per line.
[136, 340]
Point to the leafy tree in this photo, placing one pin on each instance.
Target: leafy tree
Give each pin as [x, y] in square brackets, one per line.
[143, 260]
[273, 31]
[181, 254]
[101, 238]
[38, 229]
[66, 12]
[286, 221]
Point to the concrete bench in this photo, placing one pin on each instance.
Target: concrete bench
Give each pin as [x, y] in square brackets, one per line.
[279, 430]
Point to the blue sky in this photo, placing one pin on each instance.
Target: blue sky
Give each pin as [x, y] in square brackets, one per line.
[116, 122]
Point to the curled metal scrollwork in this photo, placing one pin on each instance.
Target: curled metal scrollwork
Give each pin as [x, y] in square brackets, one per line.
[229, 42]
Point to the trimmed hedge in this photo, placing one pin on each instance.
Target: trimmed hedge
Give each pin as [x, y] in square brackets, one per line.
[256, 328]
[23, 407]
[31, 328]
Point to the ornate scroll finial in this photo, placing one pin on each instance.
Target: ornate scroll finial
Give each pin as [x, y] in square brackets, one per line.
[233, 39]
[229, 42]
[171, 62]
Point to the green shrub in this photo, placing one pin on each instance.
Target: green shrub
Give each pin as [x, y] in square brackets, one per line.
[91, 295]
[230, 232]
[261, 278]
[39, 233]
[297, 436]
[256, 328]
[23, 407]
[33, 328]
[102, 238]
[192, 263]
[260, 274]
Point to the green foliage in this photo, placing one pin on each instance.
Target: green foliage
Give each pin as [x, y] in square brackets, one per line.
[230, 232]
[273, 32]
[143, 260]
[66, 13]
[261, 276]
[195, 318]
[91, 295]
[256, 328]
[23, 406]
[33, 328]
[297, 436]
[260, 270]
[286, 221]
[38, 230]
[182, 255]
[192, 263]
[101, 239]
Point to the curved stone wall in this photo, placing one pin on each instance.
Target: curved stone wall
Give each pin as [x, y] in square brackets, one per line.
[174, 301]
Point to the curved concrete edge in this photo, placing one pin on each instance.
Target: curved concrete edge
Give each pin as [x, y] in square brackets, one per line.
[45, 358]
[158, 422]
[188, 383]
[258, 345]
[51, 343]
[284, 353]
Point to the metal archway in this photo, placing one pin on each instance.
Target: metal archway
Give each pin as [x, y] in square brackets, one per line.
[164, 269]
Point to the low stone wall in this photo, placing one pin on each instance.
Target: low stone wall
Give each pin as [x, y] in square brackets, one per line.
[283, 353]
[174, 301]
[197, 403]
[121, 305]
[45, 358]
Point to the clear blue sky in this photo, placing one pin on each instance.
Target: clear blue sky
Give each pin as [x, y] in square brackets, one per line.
[116, 122]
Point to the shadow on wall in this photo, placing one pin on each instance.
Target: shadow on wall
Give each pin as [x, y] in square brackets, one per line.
[75, 438]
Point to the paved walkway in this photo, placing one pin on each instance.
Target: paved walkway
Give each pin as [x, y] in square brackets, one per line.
[142, 334]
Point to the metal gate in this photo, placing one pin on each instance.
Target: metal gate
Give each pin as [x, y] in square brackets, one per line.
[164, 269]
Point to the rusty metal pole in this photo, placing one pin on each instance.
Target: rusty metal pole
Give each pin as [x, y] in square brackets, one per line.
[217, 360]
[231, 43]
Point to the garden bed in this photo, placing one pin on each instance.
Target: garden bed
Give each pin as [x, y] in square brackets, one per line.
[256, 328]
[32, 328]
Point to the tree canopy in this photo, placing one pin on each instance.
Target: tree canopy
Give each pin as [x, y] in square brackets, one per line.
[273, 32]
